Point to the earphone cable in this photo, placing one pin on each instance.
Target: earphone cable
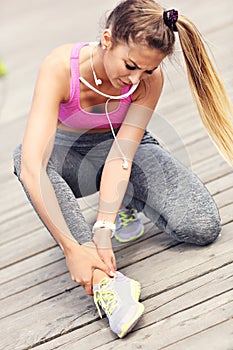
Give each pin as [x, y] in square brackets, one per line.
[125, 164]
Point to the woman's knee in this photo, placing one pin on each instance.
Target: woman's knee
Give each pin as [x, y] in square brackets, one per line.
[200, 231]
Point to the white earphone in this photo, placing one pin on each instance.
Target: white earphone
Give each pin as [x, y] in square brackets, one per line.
[97, 81]
[127, 94]
[125, 163]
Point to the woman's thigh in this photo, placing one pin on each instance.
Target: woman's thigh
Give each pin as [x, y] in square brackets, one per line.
[76, 170]
[79, 160]
[172, 196]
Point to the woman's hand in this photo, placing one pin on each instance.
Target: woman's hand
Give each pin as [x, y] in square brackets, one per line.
[102, 240]
[82, 261]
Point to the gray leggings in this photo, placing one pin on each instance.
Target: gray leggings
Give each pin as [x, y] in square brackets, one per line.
[166, 192]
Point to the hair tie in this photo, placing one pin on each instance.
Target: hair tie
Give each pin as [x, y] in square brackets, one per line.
[170, 18]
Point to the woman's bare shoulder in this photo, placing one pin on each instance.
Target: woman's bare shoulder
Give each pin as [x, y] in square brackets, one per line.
[57, 63]
[59, 55]
[56, 68]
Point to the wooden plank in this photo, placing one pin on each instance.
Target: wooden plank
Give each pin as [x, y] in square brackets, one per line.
[16, 211]
[43, 273]
[181, 263]
[23, 225]
[173, 138]
[212, 169]
[31, 264]
[50, 269]
[6, 175]
[221, 184]
[11, 200]
[224, 198]
[11, 252]
[159, 311]
[226, 214]
[54, 254]
[59, 283]
[40, 325]
[26, 220]
[12, 194]
[161, 334]
[219, 337]
[196, 151]
[27, 245]
[15, 186]
[188, 265]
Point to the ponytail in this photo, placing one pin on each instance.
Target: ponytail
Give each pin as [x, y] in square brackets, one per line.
[145, 21]
[213, 104]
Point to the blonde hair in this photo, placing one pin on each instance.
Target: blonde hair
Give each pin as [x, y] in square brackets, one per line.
[141, 21]
[212, 101]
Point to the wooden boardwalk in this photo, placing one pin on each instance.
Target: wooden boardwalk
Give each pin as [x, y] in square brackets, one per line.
[187, 291]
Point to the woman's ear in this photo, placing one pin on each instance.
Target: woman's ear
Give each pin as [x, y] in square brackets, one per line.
[106, 40]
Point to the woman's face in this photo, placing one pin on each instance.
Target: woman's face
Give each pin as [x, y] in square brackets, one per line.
[127, 64]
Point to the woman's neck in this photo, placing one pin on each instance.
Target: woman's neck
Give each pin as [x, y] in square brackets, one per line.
[86, 71]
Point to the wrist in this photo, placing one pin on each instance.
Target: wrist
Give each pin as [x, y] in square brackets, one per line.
[102, 238]
[103, 224]
[67, 245]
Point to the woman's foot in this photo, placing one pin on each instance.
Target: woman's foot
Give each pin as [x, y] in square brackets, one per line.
[128, 226]
[118, 298]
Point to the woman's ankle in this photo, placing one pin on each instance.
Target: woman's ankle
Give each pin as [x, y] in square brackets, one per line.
[98, 276]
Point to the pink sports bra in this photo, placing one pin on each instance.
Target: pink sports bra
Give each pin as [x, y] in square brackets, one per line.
[72, 115]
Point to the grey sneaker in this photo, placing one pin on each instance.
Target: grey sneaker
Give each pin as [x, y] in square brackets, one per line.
[128, 226]
[118, 298]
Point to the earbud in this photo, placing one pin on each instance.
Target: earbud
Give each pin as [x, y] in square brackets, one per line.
[97, 81]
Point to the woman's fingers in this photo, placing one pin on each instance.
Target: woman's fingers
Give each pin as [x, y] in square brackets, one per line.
[114, 262]
[81, 270]
[88, 288]
[109, 260]
[103, 266]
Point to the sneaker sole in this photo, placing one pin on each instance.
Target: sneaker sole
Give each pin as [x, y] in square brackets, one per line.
[135, 289]
[127, 328]
[125, 240]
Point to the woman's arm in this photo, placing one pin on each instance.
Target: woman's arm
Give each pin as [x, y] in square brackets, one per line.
[52, 87]
[38, 142]
[114, 180]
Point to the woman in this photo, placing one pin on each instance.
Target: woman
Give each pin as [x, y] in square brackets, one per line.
[87, 132]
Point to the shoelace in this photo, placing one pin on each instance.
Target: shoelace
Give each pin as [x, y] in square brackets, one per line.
[105, 296]
[127, 216]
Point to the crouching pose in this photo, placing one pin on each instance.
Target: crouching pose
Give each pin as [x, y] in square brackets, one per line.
[87, 132]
